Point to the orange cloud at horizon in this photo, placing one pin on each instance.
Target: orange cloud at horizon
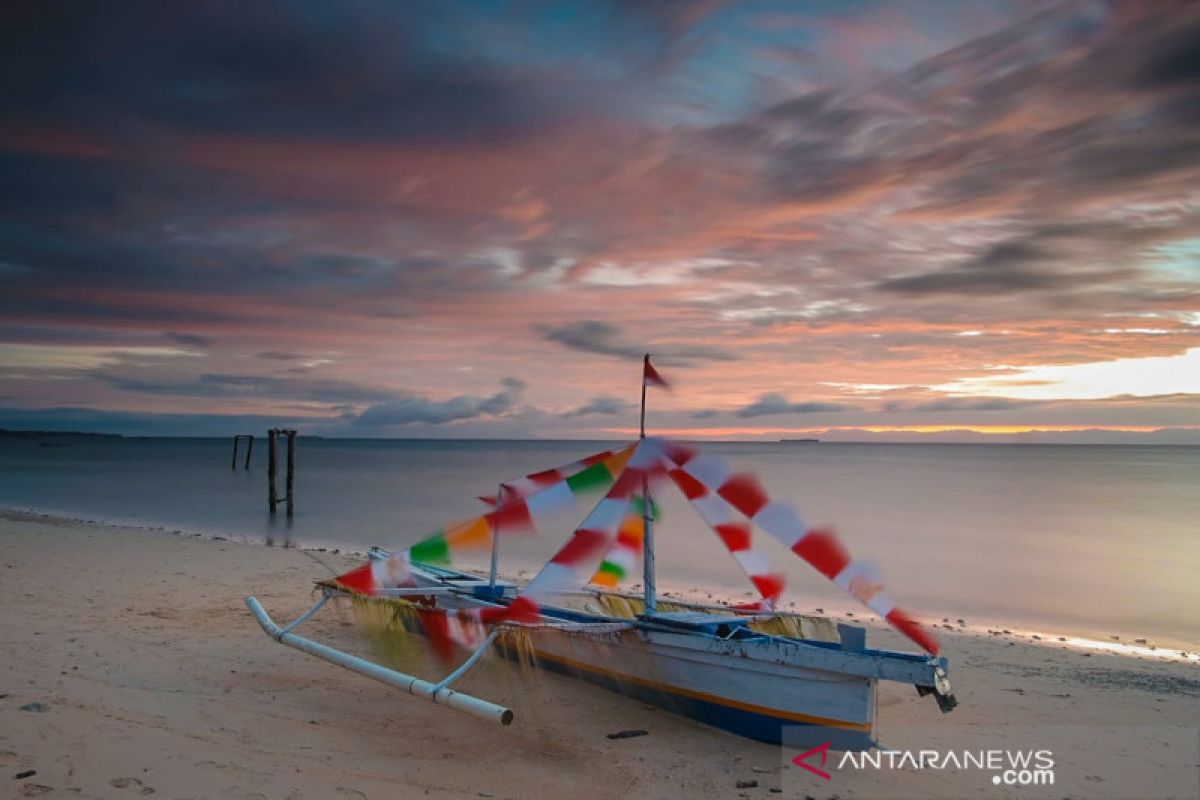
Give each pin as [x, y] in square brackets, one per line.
[980, 429]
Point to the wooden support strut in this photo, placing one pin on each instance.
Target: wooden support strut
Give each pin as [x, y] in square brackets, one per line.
[439, 693]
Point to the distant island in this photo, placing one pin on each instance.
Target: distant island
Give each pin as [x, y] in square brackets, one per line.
[799, 441]
[5, 433]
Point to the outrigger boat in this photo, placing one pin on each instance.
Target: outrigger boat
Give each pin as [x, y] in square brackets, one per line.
[748, 669]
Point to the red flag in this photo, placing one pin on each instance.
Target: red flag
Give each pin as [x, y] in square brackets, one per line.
[650, 376]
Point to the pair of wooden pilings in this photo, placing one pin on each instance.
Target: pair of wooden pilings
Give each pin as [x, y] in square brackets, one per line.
[273, 498]
[249, 449]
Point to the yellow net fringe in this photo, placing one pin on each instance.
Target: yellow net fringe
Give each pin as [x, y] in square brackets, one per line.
[389, 620]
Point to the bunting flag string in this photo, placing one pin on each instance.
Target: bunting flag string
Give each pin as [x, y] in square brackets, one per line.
[577, 560]
[580, 476]
[736, 533]
[610, 537]
[518, 513]
[467, 627]
[625, 554]
[820, 548]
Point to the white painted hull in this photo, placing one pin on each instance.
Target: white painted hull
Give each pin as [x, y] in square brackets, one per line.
[749, 687]
[722, 674]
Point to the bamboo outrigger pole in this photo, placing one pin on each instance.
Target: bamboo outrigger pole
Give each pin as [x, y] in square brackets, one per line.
[439, 693]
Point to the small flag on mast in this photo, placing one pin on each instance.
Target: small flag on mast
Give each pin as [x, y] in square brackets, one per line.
[650, 376]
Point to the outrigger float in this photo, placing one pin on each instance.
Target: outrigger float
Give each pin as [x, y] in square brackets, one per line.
[748, 669]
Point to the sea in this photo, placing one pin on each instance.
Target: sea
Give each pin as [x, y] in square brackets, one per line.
[1089, 541]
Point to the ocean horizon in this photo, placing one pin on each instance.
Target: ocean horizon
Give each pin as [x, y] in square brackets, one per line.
[1087, 540]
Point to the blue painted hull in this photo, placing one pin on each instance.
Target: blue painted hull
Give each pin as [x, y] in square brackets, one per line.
[739, 721]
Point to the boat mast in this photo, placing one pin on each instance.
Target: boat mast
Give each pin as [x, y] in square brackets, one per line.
[650, 599]
[495, 544]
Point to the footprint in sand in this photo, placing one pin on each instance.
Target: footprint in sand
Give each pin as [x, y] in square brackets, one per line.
[35, 790]
[131, 783]
[350, 794]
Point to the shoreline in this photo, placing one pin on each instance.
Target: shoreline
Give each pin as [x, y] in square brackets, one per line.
[149, 674]
[1030, 633]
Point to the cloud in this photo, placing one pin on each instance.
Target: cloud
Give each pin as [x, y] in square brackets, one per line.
[963, 404]
[418, 410]
[386, 184]
[600, 405]
[594, 336]
[1015, 265]
[774, 403]
[189, 339]
[1176, 63]
[324, 390]
[591, 336]
[975, 282]
[98, 420]
[297, 74]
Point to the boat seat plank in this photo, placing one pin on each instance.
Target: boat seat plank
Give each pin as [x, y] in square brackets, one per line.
[699, 621]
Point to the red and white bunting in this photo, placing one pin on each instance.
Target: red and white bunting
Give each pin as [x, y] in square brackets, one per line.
[575, 563]
[820, 548]
[467, 627]
[536, 481]
[736, 533]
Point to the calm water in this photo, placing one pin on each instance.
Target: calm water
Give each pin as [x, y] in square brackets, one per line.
[1089, 540]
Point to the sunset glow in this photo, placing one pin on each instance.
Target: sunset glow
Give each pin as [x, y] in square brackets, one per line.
[838, 432]
[471, 220]
[1140, 377]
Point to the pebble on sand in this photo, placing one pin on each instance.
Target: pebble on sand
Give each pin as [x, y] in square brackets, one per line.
[628, 734]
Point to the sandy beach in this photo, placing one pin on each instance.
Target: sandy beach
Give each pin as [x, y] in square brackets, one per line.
[130, 667]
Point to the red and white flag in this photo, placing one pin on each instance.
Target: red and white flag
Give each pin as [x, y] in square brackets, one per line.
[650, 376]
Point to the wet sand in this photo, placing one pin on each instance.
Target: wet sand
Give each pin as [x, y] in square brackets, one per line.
[130, 667]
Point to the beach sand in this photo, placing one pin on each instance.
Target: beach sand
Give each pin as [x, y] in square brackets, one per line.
[130, 667]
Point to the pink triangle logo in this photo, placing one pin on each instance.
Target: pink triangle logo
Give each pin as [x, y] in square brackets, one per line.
[823, 751]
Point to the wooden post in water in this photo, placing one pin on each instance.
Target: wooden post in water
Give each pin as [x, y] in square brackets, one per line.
[272, 467]
[249, 449]
[273, 498]
[291, 475]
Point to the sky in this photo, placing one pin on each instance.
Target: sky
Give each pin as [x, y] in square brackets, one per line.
[858, 220]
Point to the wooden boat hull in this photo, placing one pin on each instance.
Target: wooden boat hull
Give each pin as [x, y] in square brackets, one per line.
[714, 669]
[734, 686]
